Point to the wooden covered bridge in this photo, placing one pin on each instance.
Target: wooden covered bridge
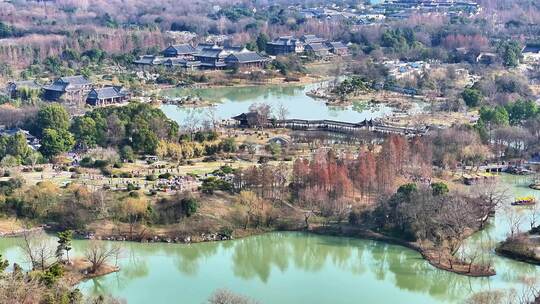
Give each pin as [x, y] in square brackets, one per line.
[246, 120]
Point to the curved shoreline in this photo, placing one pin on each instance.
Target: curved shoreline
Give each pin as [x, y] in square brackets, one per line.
[76, 273]
[302, 83]
[516, 256]
[517, 250]
[429, 254]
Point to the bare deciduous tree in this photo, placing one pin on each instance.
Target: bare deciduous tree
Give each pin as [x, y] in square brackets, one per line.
[213, 119]
[223, 296]
[514, 219]
[98, 254]
[14, 289]
[191, 123]
[282, 112]
[492, 194]
[534, 215]
[38, 249]
[262, 112]
[458, 215]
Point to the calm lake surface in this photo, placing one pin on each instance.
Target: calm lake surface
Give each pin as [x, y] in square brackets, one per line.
[296, 268]
[232, 101]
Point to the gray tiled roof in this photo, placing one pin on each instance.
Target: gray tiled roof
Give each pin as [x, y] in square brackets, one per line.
[284, 41]
[246, 57]
[202, 46]
[60, 87]
[63, 83]
[317, 47]
[181, 62]
[74, 80]
[148, 60]
[234, 48]
[209, 52]
[182, 49]
[336, 45]
[531, 49]
[106, 93]
[11, 132]
[27, 84]
[311, 39]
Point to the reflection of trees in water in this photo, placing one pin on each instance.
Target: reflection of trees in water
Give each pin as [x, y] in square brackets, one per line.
[307, 253]
[10, 249]
[242, 94]
[237, 94]
[359, 259]
[255, 256]
[508, 271]
[134, 265]
[378, 253]
[411, 272]
[98, 287]
[8, 244]
[196, 112]
[188, 257]
[336, 251]
[511, 271]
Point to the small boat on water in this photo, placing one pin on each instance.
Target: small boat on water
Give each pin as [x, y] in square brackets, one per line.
[524, 201]
[535, 185]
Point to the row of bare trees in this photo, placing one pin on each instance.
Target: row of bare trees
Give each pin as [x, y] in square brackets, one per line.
[41, 252]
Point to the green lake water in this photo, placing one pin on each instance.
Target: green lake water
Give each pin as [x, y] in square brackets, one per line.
[288, 267]
[232, 101]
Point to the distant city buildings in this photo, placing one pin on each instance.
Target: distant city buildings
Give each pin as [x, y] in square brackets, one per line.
[403, 9]
[389, 9]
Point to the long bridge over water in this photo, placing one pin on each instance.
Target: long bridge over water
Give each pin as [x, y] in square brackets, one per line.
[245, 120]
[347, 127]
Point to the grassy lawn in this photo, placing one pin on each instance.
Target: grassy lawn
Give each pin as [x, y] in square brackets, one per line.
[48, 174]
[92, 177]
